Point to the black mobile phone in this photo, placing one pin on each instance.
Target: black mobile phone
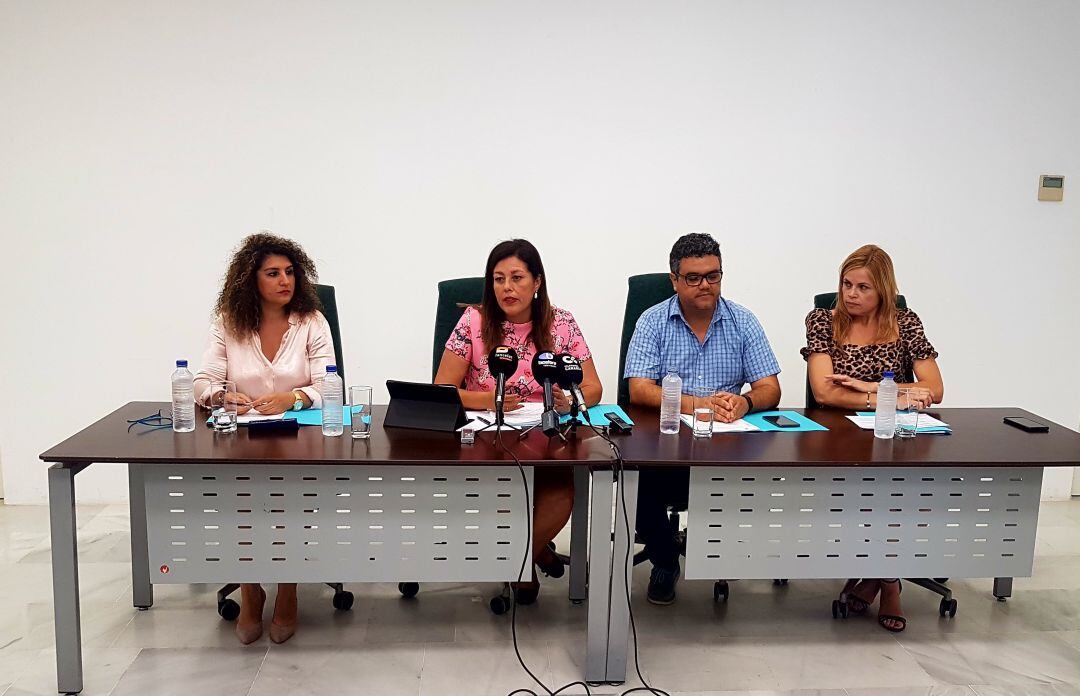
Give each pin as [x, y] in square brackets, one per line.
[1026, 424]
[781, 421]
[618, 423]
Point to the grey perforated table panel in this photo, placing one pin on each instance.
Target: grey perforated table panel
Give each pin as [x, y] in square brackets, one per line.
[343, 523]
[840, 522]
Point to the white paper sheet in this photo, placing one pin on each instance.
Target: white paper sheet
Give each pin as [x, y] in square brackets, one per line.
[252, 416]
[927, 424]
[525, 417]
[739, 426]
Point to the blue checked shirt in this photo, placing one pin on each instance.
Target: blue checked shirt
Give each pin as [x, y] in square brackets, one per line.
[735, 352]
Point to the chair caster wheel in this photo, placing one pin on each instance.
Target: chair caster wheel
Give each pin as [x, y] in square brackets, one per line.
[499, 605]
[408, 590]
[343, 600]
[780, 582]
[720, 591]
[947, 606]
[228, 610]
[839, 609]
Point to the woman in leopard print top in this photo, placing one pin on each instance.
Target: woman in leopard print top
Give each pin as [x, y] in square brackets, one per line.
[847, 351]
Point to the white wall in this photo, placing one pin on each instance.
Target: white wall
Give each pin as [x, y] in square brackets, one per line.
[398, 141]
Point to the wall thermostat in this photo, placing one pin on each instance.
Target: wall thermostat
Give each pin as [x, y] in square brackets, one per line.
[1051, 187]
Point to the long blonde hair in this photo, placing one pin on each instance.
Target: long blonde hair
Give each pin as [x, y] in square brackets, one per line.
[882, 276]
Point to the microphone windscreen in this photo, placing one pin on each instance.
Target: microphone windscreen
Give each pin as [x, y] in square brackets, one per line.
[569, 370]
[545, 367]
[502, 360]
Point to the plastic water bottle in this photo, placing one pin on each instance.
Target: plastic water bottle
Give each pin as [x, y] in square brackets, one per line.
[183, 398]
[885, 415]
[332, 400]
[670, 403]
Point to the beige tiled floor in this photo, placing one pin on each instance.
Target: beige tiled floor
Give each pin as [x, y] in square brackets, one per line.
[765, 641]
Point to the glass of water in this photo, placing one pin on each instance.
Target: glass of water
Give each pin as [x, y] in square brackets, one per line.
[907, 414]
[360, 412]
[703, 412]
[224, 400]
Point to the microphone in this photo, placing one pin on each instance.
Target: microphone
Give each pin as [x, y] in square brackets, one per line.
[545, 369]
[570, 375]
[502, 362]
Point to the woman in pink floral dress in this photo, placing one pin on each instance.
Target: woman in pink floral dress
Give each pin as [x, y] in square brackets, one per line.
[515, 311]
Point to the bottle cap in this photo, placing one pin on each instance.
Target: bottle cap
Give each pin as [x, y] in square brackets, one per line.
[889, 374]
[331, 368]
[181, 363]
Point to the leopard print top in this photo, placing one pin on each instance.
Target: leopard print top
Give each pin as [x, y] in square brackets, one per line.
[868, 363]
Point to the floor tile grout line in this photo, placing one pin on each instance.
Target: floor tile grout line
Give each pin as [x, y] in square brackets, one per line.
[944, 637]
[112, 690]
[112, 643]
[423, 665]
[258, 671]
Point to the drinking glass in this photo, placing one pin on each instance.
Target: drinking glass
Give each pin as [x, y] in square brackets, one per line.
[360, 412]
[223, 397]
[907, 413]
[703, 412]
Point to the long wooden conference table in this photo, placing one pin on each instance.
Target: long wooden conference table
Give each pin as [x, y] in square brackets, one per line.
[416, 506]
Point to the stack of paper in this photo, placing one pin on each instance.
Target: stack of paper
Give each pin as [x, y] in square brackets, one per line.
[927, 424]
[525, 417]
[253, 416]
[739, 426]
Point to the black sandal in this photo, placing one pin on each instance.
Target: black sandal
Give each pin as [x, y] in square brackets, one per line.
[882, 618]
[549, 562]
[862, 605]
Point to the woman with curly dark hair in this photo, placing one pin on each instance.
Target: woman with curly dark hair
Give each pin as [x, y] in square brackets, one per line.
[270, 338]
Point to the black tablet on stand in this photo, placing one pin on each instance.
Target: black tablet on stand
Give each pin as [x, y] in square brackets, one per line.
[424, 406]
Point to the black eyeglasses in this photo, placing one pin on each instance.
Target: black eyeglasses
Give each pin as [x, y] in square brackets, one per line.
[154, 420]
[694, 279]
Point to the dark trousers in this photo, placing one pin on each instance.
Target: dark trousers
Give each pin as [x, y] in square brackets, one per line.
[658, 489]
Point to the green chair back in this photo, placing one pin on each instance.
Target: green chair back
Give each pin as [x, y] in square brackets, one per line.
[454, 296]
[643, 291]
[827, 300]
[328, 300]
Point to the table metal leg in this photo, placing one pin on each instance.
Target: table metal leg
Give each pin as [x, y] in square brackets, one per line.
[1002, 588]
[579, 534]
[65, 570]
[599, 589]
[621, 576]
[142, 592]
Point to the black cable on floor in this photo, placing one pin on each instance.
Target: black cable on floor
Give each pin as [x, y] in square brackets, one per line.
[628, 567]
[526, 561]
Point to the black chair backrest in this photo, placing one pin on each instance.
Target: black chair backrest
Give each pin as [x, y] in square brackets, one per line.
[827, 300]
[643, 291]
[454, 296]
[328, 300]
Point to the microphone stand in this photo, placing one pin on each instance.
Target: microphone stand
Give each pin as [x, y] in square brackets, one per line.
[500, 414]
[573, 423]
[549, 413]
[523, 433]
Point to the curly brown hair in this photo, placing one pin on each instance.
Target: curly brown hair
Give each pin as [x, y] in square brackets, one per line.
[239, 303]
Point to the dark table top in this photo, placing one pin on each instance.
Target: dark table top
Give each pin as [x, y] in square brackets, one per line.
[979, 438]
[108, 440]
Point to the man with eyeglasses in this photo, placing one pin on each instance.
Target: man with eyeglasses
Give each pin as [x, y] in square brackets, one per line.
[712, 344]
